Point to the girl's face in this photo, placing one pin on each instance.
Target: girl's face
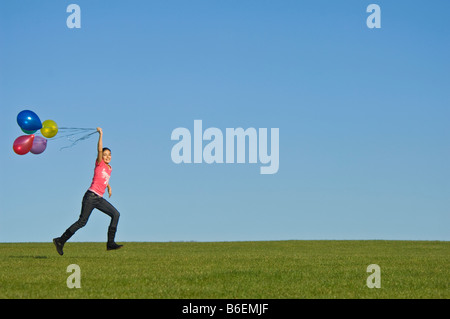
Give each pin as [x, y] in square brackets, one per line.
[106, 156]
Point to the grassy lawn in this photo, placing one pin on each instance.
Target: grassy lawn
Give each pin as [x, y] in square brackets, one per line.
[228, 270]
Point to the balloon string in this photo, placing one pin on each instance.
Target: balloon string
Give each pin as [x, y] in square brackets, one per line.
[71, 134]
[76, 128]
[70, 131]
[85, 137]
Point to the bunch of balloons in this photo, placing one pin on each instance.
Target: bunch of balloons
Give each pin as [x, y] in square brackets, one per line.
[29, 122]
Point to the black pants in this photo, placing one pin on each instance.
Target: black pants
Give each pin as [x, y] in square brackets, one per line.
[91, 201]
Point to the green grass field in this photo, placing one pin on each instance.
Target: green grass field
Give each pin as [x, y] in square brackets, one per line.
[227, 270]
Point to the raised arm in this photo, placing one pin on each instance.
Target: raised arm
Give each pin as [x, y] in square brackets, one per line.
[100, 145]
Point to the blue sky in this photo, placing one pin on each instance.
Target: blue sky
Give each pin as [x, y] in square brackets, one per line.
[363, 116]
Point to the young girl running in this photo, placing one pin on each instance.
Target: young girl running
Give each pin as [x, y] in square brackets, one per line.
[93, 198]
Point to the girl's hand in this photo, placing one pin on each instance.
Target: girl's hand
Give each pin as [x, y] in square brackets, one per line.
[99, 129]
[109, 190]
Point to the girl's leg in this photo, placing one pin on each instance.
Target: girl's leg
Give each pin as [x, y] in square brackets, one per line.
[87, 206]
[106, 207]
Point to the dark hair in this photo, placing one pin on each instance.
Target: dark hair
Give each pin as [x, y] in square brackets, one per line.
[106, 149]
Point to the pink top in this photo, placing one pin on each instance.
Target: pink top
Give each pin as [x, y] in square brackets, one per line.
[102, 173]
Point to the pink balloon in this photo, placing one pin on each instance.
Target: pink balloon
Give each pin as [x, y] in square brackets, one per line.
[39, 145]
[23, 144]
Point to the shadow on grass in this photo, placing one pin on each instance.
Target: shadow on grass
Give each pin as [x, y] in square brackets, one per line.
[34, 257]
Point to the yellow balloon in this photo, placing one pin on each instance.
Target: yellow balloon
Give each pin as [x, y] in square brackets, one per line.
[49, 128]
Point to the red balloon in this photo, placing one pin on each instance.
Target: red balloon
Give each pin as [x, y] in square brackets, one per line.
[23, 144]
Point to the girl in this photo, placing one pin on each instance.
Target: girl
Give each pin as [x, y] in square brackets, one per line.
[93, 198]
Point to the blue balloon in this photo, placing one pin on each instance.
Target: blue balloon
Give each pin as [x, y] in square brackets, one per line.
[29, 121]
